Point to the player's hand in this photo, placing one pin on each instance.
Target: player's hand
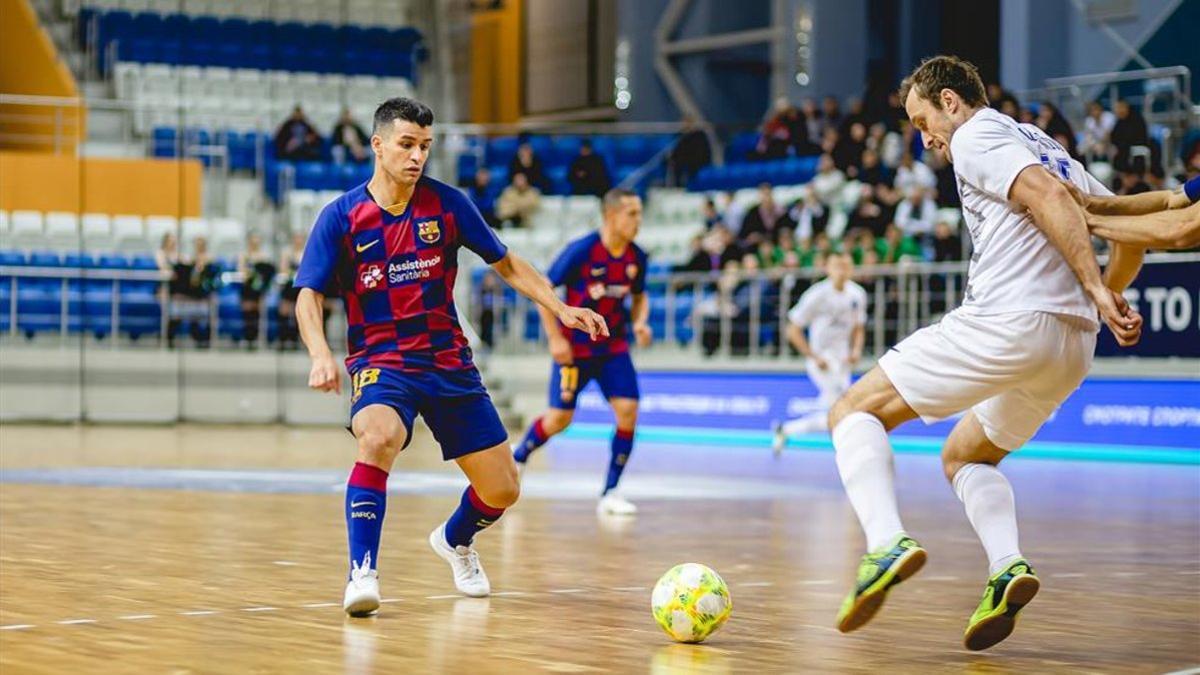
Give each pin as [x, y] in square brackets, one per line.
[1121, 319]
[560, 350]
[325, 374]
[1078, 195]
[643, 333]
[822, 364]
[579, 318]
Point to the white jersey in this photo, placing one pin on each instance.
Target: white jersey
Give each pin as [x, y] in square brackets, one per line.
[831, 316]
[1014, 266]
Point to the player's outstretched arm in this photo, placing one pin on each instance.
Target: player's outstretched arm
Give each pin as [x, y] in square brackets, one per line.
[325, 374]
[1169, 230]
[534, 285]
[1058, 215]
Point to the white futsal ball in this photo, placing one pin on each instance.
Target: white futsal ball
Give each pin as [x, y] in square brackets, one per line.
[690, 602]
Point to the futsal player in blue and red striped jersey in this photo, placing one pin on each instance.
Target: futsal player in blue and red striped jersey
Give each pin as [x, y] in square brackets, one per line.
[389, 248]
[604, 271]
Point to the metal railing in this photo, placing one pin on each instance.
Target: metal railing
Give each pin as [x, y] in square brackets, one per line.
[735, 314]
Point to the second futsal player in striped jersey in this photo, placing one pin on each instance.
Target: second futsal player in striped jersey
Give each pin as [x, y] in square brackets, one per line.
[604, 271]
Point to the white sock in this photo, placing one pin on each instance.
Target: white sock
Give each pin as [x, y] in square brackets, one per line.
[864, 460]
[809, 424]
[988, 498]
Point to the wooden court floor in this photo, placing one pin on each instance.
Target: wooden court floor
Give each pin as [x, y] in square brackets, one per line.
[221, 549]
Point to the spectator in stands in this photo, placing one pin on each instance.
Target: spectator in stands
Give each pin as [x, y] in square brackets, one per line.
[1051, 121]
[821, 248]
[777, 131]
[348, 141]
[712, 217]
[297, 140]
[829, 140]
[712, 251]
[257, 273]
[193, 281]
[588, 175]
[1097, 126]
[762, 223]
[812, 120]
[483, 196]
[889, 144]
[917, 213]
[488, 301]
[895, 115]
[867, 213]
[1128, 132]
[1003, 100]
[809, 214]
[946, 190]
[519, 201]
[855, 114]
[831, 113]
[827, 184]
[1132, 183]
[691, 153]
[848, 152]
[289, 263]
[947, 245]
[896, 246]
[911, 174]
[733, 210]
[527, 163]
[719, 305]
[788, 252]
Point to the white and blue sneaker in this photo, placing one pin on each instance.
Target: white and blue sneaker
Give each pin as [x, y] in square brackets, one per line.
[362, 590]
[778, 438]
[469, 577]
[613, 504]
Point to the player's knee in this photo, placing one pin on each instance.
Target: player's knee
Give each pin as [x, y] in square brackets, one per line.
[379, 446]
[556, 420]
[840, 409]
[501, 493]
[626, 415]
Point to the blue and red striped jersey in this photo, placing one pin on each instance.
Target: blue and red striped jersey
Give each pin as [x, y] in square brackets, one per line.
[396, 274]
[600, 281]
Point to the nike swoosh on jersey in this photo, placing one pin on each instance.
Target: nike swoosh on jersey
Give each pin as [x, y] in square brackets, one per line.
[362, 247]
[598, 273]
[355, 505]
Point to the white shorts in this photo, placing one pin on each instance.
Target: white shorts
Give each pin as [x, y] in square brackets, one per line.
[1011, 370]
[831, 382]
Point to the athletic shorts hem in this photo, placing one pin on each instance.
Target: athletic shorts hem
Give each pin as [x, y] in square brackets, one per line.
[906, 393]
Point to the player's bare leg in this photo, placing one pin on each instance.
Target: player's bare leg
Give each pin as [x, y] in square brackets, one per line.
[970, 461]
[552, 422]
[625, 410]
[381, 436]
[860, 421]
[494, 487]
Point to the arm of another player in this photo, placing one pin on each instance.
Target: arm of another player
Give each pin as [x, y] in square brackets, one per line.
[795, 335]
[1059, 217]
[639, 311]
[1176, 229]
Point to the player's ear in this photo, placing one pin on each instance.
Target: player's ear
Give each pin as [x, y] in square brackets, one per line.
[377, 144]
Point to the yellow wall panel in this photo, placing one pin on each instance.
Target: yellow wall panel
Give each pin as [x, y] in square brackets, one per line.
[45, 182]
[29, 65]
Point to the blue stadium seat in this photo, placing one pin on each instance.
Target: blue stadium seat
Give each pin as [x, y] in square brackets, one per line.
[163, 142]
[10, 257]
[311, 175]
[143, 262]
[566, 149]
[112, 261]
[501, 150]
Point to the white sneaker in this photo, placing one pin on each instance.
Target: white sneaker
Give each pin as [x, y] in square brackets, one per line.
[779, 439]
[613, 504]
[469, 577]
[362, 591]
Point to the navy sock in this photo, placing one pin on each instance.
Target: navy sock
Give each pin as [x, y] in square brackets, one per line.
[622, 445]
[366, 502]
[535, 438]
[471, 516]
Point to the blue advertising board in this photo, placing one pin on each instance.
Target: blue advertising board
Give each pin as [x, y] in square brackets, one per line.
[1168, 296]
[1130, 415]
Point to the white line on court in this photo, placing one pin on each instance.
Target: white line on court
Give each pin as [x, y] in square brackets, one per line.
[75, 622]
[509, 593]
[17, 626]
[816, 582]
[314, 605]
[383, 600]
[444, 597]
[942, 578]
[755, 584]
[199, 612]
[137, 617]
[259, 609]
[1129, 574]
[286, 563]
[1067, 575]
[563, 591]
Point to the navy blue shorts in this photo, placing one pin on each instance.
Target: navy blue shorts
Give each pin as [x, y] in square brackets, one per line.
[614, 373]
[455, 405]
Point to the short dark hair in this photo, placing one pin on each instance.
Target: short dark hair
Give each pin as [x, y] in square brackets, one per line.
[401, 108]
[945, 72]
[612, 198]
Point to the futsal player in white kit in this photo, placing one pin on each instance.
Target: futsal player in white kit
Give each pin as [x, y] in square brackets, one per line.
[835, 313]
[1018, 346]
